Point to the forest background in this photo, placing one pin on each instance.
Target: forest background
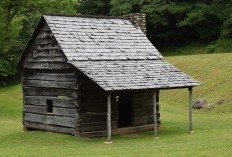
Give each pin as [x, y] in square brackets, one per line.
[172, 23]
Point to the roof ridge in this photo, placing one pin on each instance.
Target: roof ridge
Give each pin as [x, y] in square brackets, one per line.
[89, 16]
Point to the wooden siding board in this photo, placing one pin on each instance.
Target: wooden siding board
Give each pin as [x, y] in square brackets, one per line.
[64, 112]
[57, 102]
[96, 126]
[50, 120]
[46, 65]
[36, 91]
[50, 84]
[45, 127]
[62, 77]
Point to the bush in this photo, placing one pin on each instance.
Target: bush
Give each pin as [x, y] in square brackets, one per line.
[8, 73]
[211, 48]
[224, 45]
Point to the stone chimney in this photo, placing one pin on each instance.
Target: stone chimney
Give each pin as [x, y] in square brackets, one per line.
[138, 19]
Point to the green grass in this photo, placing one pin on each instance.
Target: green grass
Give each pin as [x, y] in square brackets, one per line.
[195, 48]
[213, 128]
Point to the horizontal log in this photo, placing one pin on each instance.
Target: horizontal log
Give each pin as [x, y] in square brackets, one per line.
[143, 96]
[57, 71]
[50, 120]
[134, 129]
[143, 104]
[47, 84]
[96, 126]
[45, 34]
[118, 131]
[47, 53]
[138, 121]
[96, 117]
[45, 40]
[63, 102]
[41, 47]
[46, 65]
[35, 58]
[38, 126]
[62, 77]
[143, 112]
[36, 91]
[56, 111]
[96, 106]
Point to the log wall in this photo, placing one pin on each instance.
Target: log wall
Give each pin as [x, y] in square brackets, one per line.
[93, 110]
[49, 82]
[143, 109]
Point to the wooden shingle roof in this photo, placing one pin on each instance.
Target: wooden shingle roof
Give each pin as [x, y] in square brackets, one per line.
[135, 74]
[100, 39]
[114, 54]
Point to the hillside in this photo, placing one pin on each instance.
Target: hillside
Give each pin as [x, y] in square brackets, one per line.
[212, 136]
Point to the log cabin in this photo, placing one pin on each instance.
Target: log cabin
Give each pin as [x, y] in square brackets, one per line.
[95, 76]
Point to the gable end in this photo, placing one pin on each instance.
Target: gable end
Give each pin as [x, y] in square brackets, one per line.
[42, 50]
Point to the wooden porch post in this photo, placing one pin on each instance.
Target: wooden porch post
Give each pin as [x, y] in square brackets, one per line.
[154, 114]
[108, 118]
[190, 89]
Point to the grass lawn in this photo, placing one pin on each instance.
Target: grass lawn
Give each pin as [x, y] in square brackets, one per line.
[213, 128]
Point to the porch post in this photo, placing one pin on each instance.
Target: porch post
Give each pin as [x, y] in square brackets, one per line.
[190, 89]
[108, 117]
[154, 114]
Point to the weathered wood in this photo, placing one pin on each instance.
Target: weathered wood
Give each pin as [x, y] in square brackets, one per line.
[190, 89]
[47, 53]
[97, 107]
[46, 65]
[46, 40]
[45, 28]
[36, 91]
[32, 125]
[45, 34]
[48, 84]
[32, 58]
[92, 107]
[50, 120]
[154, 114]
[96, 117]
[144, 120]
[51, 71]
[65, 112]
[50, 46]
[118, 131]
[108, 117]
[139, 104]
[65, 77]
[158, 108]
[63, 102]
[143, 96]
[143, 112]
[97, 126]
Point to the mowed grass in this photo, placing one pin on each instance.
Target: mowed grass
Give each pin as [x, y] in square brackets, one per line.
[213, 128]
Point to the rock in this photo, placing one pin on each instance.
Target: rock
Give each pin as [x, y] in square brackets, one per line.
[209, 106]
[199, 103]
[220, 102]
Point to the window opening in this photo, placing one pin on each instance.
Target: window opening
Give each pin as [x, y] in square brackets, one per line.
[49, 106]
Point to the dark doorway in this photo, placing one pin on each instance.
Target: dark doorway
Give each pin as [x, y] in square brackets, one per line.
[125, 104]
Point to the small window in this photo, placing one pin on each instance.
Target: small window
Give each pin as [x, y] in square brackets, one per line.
[49, 106]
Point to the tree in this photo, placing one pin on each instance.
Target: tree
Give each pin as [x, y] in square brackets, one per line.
[181, 21]
[96, 7]
[17, 21]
